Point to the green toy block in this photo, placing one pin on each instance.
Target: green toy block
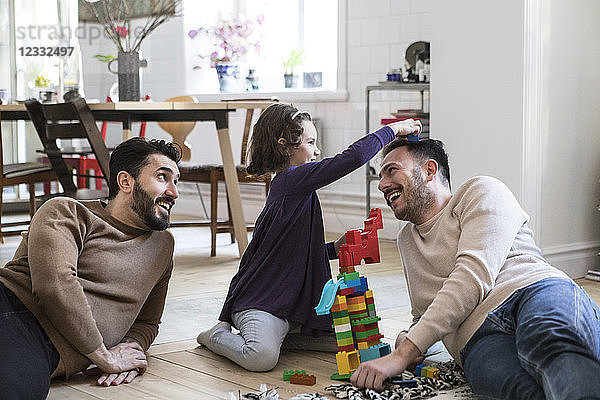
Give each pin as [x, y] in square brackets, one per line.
[343, 335]
[339, 377]
[365, 321]
[348, 277]
[339, 314]
[366, 334]
[355, 317]
[289, 372]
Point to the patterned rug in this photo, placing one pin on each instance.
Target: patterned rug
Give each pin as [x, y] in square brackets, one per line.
[451, 384]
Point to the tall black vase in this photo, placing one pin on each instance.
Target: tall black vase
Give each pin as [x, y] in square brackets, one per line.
[128, 64]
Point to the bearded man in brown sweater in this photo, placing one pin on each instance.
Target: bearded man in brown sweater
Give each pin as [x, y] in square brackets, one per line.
[88, 282]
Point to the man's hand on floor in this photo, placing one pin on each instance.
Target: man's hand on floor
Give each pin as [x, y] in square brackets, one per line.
[116, 379]
[124, 357]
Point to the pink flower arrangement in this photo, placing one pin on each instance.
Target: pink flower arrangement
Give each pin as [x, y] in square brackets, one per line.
[230, 40]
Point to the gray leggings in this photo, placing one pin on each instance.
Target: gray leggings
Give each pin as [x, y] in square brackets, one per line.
[256, 347]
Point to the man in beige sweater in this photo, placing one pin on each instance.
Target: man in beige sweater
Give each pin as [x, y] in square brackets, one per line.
[520, 328]
[88, 282]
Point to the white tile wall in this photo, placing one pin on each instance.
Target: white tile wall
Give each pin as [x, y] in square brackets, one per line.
[378, 33]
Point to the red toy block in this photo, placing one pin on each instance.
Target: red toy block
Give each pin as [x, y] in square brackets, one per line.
[346, 292]
[300, 379]
[346, 348]
[362, 245]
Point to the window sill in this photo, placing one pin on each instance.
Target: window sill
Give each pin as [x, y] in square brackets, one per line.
[299, 96]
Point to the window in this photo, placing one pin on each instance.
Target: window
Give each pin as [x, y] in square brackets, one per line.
[310, 26]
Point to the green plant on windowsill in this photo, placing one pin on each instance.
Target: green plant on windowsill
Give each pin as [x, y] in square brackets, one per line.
[295, 59]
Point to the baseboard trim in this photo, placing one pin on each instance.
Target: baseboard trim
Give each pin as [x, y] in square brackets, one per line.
[574, 259]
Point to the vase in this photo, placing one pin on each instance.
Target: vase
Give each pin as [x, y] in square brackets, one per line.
[291, 81]
[229, 77]
[128, 72]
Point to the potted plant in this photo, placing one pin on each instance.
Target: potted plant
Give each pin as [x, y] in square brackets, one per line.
[228, 42]
[295, 59]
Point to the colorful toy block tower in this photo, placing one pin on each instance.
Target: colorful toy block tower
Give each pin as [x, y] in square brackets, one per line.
[351, 303]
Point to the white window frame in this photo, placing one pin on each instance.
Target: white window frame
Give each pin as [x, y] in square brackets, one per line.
[305, 96]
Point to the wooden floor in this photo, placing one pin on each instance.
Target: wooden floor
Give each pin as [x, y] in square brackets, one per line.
[180, 369]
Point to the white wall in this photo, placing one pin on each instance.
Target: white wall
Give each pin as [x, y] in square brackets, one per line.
[570, 139]
[479, 108]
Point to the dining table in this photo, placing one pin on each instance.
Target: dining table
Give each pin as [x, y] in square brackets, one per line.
[128, 112]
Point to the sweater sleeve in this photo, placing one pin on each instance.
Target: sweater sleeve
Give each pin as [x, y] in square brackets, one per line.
[145, 327]
[490, 218]
[315, 175]
[56, 238]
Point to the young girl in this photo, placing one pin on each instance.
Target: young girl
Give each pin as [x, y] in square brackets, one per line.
[271, 299]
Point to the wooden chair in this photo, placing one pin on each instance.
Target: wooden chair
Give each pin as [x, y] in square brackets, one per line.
[212, 174]
[28, 173]
[64, 122]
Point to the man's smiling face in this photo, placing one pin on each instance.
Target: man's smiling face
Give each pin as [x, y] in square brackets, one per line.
[403, 185]
[155, 191]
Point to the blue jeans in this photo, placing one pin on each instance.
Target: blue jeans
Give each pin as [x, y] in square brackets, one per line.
[543, 342]
[27, 357]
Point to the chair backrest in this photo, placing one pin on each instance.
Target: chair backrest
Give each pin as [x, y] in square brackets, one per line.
[180, 130]
[72, 120]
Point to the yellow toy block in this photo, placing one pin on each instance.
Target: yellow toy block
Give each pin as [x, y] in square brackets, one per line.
[368, 294]
[433, 372]
[341, 321]
[339, 300]
[362, 345]
[347, 362]
[357, 307]
[345, 342]
[373, 343]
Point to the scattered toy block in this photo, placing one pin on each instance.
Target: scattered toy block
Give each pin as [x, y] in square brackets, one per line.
[303, 379]
[287, 373]
[419, 368]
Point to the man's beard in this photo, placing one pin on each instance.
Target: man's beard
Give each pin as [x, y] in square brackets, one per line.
[417, 199]
[144, 207]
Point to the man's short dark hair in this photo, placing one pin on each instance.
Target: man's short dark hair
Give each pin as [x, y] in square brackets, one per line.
[132, 155]
[424, 150]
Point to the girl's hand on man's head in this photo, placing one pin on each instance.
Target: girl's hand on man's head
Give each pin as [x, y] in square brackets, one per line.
[406, 127]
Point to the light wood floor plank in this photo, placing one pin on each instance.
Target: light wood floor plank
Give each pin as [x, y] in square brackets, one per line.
[196, 380]
[202, 360]
[62, 391]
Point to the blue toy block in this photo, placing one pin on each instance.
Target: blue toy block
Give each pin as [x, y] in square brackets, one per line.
[363, 286]
[328, 297]
[369, 354]
[413, 137]
[418, 369]
[384, 349]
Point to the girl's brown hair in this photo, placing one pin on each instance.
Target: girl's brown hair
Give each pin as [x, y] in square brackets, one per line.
[277, 121]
